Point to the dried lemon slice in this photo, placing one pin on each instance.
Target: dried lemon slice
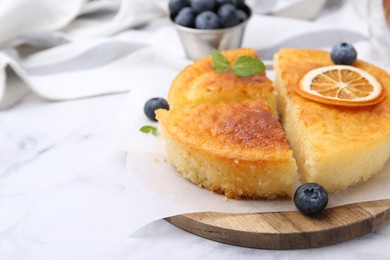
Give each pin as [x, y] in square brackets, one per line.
[341, 85]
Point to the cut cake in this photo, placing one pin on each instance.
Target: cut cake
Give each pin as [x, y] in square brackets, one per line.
[235, 148]
[334, 146]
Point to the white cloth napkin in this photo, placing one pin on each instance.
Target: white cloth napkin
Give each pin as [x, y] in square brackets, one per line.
[80, 48]
[72, 49]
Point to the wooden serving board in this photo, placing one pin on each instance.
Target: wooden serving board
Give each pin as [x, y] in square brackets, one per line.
[288, 230]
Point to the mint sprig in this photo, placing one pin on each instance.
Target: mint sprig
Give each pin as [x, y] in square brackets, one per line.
[220, 63]
[244, 66]
[149, 129]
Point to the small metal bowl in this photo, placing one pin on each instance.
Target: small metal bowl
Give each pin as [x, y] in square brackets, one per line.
[199, 43]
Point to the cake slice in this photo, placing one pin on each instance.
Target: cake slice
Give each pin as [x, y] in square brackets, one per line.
[335, 146]
[235, 148]
[199, 83]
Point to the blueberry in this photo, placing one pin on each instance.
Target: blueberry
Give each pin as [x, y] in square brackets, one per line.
[203, 5]
[154, 104]
[207, 20]
[228, 15]
[240, 4]
[222, 2]
[343, 53]
[186, 17]
[311, 198]
[176, 5]
[242, 16]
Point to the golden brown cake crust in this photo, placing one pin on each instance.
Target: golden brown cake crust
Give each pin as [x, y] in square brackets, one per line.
[199, 83]
[233, 130]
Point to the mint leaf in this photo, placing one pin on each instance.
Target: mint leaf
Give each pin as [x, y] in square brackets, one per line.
[220, 63]
[247, 66]
[149, 129]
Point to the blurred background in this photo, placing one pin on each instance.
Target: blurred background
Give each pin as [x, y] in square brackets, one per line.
[74, 49]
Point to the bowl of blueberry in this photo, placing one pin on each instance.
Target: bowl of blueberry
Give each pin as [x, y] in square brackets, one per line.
[204, 25]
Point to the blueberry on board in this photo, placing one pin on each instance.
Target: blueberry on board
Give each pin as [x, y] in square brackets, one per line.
[207, 20]
[203, 5]
[153, 104]
[311, 198]
[228, 15]
[175, 6]
[186, 17]
[343, 54]
[222, 2]
[242, 16]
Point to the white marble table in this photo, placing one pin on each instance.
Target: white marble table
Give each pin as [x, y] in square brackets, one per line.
[63, 192]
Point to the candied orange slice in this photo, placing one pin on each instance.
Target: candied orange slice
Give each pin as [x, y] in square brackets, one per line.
[341, 85]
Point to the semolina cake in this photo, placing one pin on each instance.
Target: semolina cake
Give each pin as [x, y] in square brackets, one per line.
[335, 146]
[199, 83]
[235, 148]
